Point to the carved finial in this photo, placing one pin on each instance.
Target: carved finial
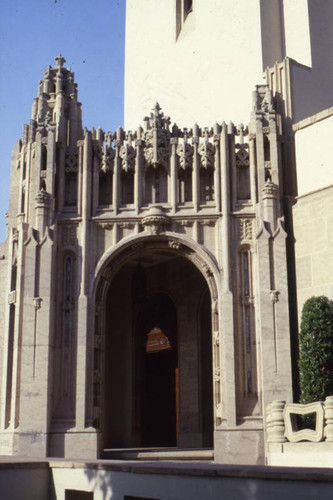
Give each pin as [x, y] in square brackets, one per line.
[241, 133]
[157, 108]
[157, 119]
[60, 60]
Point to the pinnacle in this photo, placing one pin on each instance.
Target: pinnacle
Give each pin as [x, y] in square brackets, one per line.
[60, 60]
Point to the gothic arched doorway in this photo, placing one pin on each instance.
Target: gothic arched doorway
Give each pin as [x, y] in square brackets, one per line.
[158, 354]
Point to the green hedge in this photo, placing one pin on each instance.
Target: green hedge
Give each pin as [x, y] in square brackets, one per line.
[316, 350]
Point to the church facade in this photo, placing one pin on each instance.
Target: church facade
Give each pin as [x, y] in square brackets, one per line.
[149, 278]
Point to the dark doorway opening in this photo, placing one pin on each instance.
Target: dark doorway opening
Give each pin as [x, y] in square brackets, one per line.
[157, 397]
[157, 372]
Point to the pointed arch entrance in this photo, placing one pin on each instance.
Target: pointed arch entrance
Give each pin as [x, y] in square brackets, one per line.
[157, 384]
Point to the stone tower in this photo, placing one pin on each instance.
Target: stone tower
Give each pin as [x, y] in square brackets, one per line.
[146, 298]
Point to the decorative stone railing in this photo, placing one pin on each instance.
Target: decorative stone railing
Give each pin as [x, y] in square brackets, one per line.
[282, 422]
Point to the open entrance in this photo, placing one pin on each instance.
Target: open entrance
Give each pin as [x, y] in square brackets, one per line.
[157, 371]
[158, 355]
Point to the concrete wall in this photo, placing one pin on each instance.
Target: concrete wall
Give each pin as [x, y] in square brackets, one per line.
[205, 75]
[28, 480]
[159, 481]
[189, 481]
[313, 226]
[314, 152]
[312, 88]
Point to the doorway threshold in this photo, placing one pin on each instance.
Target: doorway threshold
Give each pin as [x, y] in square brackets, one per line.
[165, 454]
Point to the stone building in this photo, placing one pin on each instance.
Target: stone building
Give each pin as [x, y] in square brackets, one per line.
[149, 297]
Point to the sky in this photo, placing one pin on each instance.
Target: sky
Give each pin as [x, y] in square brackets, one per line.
[90, 34]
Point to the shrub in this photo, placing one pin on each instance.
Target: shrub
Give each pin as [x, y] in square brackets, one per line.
[316, 350]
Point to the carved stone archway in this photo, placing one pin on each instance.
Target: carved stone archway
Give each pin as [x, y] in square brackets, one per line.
[163, 256]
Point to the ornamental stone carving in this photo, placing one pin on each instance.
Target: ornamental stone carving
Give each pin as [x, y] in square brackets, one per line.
[207, 222]
[107, 157]
[174, 244]
[292, 433]
[42, 199]
[269, 190]
[71, 160]
[185, 153]
[127, 155]
[185, 223]
[245, 230]
[157, 139]
[275, 422]
[242, 155]
[156, 220]
[263, 100]
[206, 152]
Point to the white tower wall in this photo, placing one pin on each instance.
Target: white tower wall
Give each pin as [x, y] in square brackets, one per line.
[209, 71]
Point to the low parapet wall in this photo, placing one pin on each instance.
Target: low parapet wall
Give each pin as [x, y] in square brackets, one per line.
[123, 480]
[289, 445]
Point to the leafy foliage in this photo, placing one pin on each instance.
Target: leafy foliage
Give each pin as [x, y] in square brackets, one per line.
[316, 350]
